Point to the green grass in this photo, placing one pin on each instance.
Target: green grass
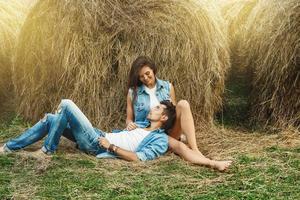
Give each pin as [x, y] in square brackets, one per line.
[236, 105]
[271, 174]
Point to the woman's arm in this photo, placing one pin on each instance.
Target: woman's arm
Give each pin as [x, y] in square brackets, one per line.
[129, 109]
[172, 94]
[130, 114]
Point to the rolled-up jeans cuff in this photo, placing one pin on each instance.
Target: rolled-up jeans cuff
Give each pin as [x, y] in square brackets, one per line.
[6, 149]
[44, 149]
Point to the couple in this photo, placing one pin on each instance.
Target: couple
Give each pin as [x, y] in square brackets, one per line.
[153, 124]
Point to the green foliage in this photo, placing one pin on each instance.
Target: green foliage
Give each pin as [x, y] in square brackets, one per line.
[271, 174]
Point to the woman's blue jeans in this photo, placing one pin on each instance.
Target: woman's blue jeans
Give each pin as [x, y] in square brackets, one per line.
[68, 118]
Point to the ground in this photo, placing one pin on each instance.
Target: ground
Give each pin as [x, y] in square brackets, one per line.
[266, 166]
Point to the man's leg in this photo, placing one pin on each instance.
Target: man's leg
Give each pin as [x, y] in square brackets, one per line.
[68, 134]
[32, 135]
[83, 131]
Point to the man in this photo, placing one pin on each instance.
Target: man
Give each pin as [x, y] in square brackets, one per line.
[139, 144]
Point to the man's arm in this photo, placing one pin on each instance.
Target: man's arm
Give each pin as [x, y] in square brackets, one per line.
[122, 153]
[126, 155]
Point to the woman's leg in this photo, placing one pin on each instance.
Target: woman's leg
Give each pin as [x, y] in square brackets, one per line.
[185, 123]
[82, 129]
[33, 134]
[194, 157]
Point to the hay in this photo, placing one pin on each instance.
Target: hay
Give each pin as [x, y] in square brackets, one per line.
[83, 50]
[264, 45]
[12, 15]
[271, 48]
[236, 13]
[219, 143]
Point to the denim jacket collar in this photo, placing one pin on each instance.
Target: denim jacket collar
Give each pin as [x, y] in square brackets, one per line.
[159, 85]
[152, 133]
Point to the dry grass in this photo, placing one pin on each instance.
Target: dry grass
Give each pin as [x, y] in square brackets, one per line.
[236, 13]
[272, 46]
[216, 143]
[221, 143]
[264, 44]
[12, 16]
[83, 50]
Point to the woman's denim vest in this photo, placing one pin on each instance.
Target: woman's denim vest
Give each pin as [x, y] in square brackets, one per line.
[141, 103]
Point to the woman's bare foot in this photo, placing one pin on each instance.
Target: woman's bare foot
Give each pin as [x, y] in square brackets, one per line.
[222, 165]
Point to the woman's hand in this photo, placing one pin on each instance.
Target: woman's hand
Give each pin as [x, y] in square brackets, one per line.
[103, 142]
[131, 126]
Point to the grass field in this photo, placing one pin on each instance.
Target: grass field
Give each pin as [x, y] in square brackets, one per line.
[266, 166]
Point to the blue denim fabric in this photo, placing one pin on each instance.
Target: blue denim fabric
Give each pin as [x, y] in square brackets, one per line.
[69, 117]
[32, 135]
[152, 146]
[141, 104]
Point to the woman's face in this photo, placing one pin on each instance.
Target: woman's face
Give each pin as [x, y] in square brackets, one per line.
[147, 77]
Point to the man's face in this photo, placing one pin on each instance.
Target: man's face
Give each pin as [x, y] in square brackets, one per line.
[156, 113]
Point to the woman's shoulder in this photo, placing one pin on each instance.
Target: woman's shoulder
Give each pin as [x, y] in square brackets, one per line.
[163, 83]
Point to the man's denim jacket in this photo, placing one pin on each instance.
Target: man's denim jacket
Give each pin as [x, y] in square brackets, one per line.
[153, 145]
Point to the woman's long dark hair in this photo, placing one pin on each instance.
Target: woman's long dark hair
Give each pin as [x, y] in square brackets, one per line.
[137, 65]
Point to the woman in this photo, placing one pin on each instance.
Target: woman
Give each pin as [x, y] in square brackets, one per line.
[145, 91]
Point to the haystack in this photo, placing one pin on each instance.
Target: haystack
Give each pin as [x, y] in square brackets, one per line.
[12, 15]
[272, 49]
[236, 13]
[83, 50]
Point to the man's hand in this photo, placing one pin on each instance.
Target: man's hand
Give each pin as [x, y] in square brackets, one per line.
[103, 142]
[131, 126]
[126, 155]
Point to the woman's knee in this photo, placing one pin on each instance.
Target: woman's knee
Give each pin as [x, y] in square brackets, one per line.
[183, 104]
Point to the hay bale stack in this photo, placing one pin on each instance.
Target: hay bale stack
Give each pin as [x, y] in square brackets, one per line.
[12, 15]
[83, 50]
[272, 46]
[236, 13]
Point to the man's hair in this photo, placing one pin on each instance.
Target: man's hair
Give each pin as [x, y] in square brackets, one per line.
[170, 111]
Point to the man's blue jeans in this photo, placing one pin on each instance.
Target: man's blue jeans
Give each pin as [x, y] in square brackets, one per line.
[68, 118]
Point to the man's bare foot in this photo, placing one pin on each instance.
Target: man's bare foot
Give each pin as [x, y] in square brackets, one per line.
[222, 165]
[4, 150]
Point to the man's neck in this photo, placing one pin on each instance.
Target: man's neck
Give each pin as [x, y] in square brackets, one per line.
[153, 126]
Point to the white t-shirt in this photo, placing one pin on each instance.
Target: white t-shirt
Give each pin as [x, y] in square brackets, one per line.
[128, 140]
[153, 99]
